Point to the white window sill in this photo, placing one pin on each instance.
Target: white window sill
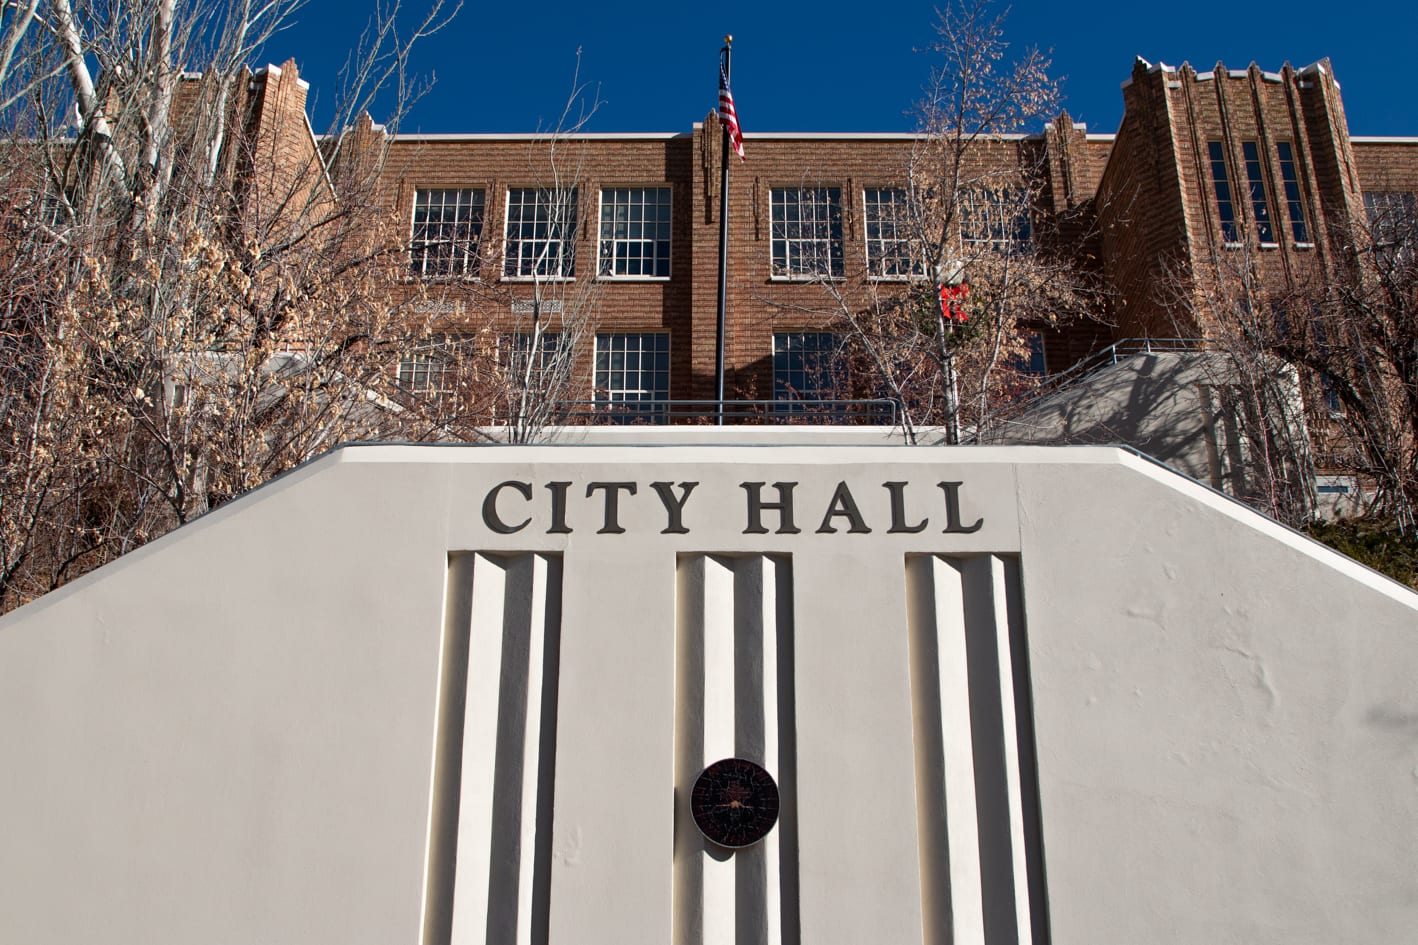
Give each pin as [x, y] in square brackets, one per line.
[542, 279]
[807, 279]
[417, 277]
[632, 278]
[1304, 245]
[917, 277]
[1234, 245]
[1269, 245]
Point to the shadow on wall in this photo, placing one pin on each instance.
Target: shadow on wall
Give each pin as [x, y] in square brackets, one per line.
[1182, 408]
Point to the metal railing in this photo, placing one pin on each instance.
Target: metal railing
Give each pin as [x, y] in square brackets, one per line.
[1113, 354]
[876, 412]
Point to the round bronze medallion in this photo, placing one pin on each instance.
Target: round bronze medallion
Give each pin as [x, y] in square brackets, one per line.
[734, 802]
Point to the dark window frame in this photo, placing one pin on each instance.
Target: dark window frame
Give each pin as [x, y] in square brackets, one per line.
[1225, 202]
[446, 232]
[1294, 198]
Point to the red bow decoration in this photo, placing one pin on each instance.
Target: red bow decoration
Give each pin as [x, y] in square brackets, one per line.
[952, 299]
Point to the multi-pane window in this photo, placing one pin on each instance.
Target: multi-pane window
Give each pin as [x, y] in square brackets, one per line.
[1393, 224]
[528, 356]
[998, 219]
[635, 232]
[890, 248]
[807, 365]
[633, 373]
[423, 371]
[1032, 362]
[541, 233]
[807, 231]
[432, 367]
[1329, 393]
[56, 211]
[1290, 183]
[448, 223]
[1225, 205]
[1255, 186]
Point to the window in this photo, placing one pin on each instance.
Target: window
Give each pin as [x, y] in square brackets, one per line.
[633, 374]
[433, 366]
[447, 227]
[1225, 206]
[1032, 363]
[1329, 394]
[807, 232]
[1255, 185]
[56, 211]
[888, 232]
[541, 233]
[807, 365]
[998, 219]
[1393, 225]
[1290, 183]
[635, 232]
[423, 371]
[516, 352]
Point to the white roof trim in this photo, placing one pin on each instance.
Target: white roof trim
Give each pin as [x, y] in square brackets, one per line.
[545, 136]
[840, 135]
[869, 136]
[668, 135]
[1384, 139]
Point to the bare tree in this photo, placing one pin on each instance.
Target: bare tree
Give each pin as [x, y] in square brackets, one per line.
[1355, 338]
[501, 357]
[200, 293]
[963, 214]
[1346, 345]
[556, 322]
[1252, 397]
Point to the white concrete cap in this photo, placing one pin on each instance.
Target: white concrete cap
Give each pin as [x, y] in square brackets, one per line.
[460, 694]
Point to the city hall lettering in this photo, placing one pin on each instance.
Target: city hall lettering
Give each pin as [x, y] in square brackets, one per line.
[768, 508]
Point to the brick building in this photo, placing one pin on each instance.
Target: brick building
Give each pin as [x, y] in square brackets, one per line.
[1205, 167]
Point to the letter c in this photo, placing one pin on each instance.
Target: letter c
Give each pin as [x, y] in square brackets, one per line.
[490, 516]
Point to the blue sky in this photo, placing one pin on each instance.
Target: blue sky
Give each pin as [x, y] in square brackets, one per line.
[826, 66]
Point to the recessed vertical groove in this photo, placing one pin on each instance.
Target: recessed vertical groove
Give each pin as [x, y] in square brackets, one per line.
[992, 786]
[787, 752]
[448, 751]
[733, 699]
[720, 879]
[546, 767]
[1028, 761]
[977, 799]
[476, 797]
[755, 724]
[951, 894]
[688, 886]
[1000, 592]
[497, 736]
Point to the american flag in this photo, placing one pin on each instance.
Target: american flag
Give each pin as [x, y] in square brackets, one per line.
[728, 116]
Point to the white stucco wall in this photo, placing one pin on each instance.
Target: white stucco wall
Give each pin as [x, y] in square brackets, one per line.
[232, 735]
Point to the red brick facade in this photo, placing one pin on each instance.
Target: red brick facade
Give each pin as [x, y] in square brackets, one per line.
[1139, 209]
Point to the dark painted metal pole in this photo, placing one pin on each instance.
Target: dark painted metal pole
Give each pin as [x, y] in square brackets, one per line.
[723, 245]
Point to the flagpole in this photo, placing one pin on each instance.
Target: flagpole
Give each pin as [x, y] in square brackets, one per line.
[723, 242]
